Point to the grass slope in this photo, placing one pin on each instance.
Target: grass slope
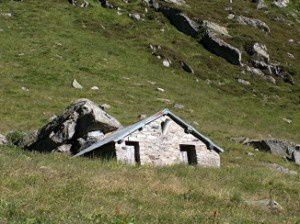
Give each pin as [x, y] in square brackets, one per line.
[46, 44]
[54, 188]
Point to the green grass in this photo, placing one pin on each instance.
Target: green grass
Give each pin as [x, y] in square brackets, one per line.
[54, 188]
[46, 44]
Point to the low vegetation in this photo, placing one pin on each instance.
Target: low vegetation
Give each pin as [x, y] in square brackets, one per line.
[46, 44]
[54, 188]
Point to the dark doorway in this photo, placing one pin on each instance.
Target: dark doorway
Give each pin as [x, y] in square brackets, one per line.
[188, 154]
[133, 152]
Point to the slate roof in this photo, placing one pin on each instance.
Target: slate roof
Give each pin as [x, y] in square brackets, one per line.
[123, 132]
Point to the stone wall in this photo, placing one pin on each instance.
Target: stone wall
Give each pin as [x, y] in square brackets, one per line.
[158, 147]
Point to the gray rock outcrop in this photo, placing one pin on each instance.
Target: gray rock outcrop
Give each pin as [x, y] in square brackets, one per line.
[181, 21]
[272, 69]
[219, 47]
[77, 121]
[215, 28]
[243, 20]
[207, 33]
[280, 148]
[259, 52]
[296, 155]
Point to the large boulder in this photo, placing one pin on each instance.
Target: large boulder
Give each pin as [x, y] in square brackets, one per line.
[280, 148]
[243, 20]
[219, 47]
[3, 140]
[80, 118]
[272, 69]
[296, 155]
[181, 21]
[260, 52]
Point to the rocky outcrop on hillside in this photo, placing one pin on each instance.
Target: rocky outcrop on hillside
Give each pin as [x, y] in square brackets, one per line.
[207, 33]
[219, 47]
[216, 38]
[284, 149]
[243, 20]
[82, 122]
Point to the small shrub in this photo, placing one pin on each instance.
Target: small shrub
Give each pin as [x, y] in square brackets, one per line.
[15, 137]
[236, 197]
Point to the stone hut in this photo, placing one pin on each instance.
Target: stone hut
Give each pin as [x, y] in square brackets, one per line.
[162, 139]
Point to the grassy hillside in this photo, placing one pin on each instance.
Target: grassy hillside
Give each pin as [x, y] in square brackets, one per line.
[44, 45]
[54, 188]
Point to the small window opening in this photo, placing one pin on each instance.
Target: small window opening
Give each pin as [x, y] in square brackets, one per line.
[133, 152]
[188, 154]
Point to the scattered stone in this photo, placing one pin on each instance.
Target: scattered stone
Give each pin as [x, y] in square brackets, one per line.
[186, 67]
[178, 106]
[76, 84]
[291, 41]
[164, 100]
[281, 3]
[252, 22]
[259, 52]
[166, 63]
[85, 4]
[228, 9]
[254, 71]
[6, 14]
[94, 88]
[290, 55]
[241, 140]
[105, 106]
[142, 116]
[152, 83]
[135, 16]
[219, 47]
[106, 4]
[66, 148]
[3, 140]
[208, 82]
[260, 4]
[25, 88]
[160, 89]
[244, 82]
[289, 121]
[280, 169]
[195, 123]
[80, 118]
[250, 154]
[266, 204]
[230, 16]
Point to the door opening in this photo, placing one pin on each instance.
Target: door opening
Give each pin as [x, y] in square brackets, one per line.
[133, 152]
[188, 154]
